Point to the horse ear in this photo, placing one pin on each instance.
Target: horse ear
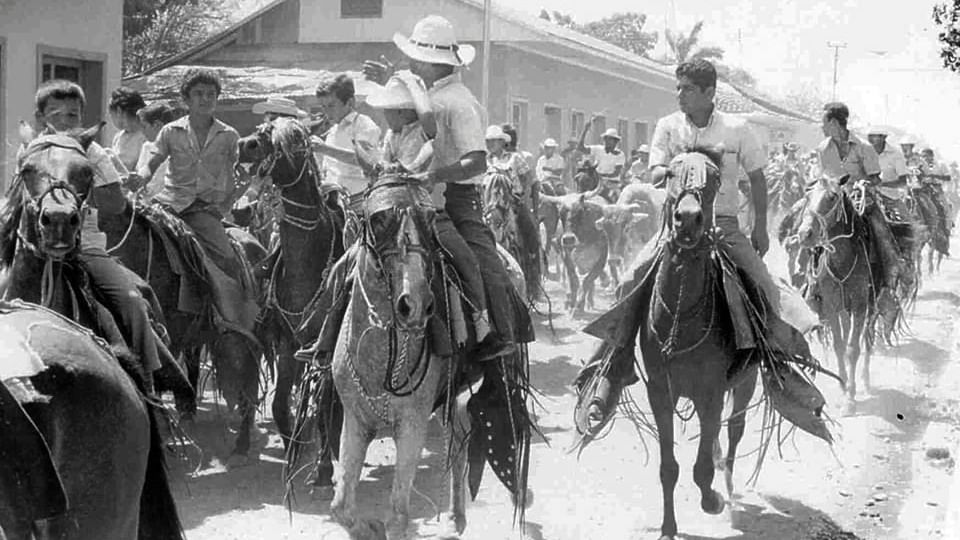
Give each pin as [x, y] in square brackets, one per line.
[87, 136]
[843, 179]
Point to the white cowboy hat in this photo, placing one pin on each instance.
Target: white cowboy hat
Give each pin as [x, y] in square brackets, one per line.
[496, 132]
[611, 133]
[395, 95]
[278, 105]
[878, 130]
[550, 143]
[643, 149]
[433, 41]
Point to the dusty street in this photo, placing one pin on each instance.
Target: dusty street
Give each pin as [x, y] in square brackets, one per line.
[890, 474]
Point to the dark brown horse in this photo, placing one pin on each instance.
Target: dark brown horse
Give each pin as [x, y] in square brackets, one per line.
[686, 339]
[111, 465]
[311, 240]
[158, 247]
[839, 281]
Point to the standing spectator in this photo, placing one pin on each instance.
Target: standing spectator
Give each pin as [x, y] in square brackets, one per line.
[124, 104]
[551, 165]
[640, 164]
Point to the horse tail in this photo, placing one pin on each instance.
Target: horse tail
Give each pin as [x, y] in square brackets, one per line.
[159, 519]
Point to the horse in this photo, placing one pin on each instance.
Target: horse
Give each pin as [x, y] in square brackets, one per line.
[548, 217]
[158, 247]
[701, 365]
[389, 373]
[840, 282]
[500, 212]
[586, 179]
[310, 241]
[112, 475]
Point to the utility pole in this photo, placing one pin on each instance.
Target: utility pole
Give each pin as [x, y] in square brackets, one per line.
[485, 74]
[836, 46]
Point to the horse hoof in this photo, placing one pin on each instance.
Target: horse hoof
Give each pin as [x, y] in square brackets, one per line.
[236, 461]
[321, 493]
[451, 527]
[713, 503]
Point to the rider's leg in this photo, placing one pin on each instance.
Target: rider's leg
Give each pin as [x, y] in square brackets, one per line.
[465, 208]
[530, 235]
[322, 319]
[489, 344]
[739, 248]
[119, 290]
[885, 244]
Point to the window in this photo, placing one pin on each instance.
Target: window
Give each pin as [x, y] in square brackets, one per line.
[553, 123]
[623, 128]
[640, 133]
[599, 126]
[518, 118]
[576, 123]
[361, 9]
[83, 68]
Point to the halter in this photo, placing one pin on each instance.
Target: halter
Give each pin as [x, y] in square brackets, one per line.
[309, 164]
[694, 178]
[824, 220]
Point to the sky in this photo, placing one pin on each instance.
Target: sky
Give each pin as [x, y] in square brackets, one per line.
[889, 72]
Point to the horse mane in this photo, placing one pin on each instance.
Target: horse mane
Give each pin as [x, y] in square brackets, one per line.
[289, 135]
[714, 153]
[10, 216]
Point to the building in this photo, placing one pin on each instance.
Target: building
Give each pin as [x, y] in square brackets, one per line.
[776, 124]
[545, 79]
[44, 39]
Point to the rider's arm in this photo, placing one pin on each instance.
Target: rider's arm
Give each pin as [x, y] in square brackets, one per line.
[421, 102]
[469, 166]
[107, 195]
[581, 145]
[871, 164]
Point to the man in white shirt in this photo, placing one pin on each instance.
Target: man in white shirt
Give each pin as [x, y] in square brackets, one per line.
[609, 159]
[893, 166]
[336, 95]
[550, 165]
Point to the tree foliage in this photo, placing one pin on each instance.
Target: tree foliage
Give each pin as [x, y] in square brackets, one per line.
[154, 30]
[625, 30]
[947, 17]
[686, 46]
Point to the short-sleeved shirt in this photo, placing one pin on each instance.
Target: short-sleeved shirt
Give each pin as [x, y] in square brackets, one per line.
[516, 166]
[460, 124]
[352, 127]
[410, 148]
[936, 168]
[860, 162]
[676, 134]
[104, 174]
[607, 162]
[155, 182]
[196, 171]
[555, 162]
[892, 167]
[127, 147]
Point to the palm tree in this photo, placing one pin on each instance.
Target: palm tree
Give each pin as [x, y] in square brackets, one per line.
[686, 47]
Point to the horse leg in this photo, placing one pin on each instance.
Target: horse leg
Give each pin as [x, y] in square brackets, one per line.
[410, 434]
[456, 519]
[288, 371]
[329, 426]
[839, 348]
[709, 410]
[662, 404]
[737, 423]
[854, 341]
[240, 384]
[573, 280]
[353, 449]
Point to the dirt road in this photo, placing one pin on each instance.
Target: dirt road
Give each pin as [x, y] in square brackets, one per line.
[890, 474]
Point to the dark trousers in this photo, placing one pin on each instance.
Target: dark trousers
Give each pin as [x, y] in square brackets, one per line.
[885, 244]
[207, 223]
[119, 289]
[465, 207]
[463, 259]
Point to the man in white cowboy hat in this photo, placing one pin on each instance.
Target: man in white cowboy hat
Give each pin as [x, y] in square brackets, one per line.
[453, 118]
[336, 94]
[550, 165]
[277, 107]
[641, 162]
[610, 161]
[893, 167]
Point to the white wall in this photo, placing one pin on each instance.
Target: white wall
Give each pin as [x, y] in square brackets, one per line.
[320, 22]
[94, 26]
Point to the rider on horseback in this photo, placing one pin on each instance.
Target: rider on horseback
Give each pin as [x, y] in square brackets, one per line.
[59, 105]
[932, 176]
[201, 183]
[893, 169]
[610, 161]
[843, 154]
[697, 123]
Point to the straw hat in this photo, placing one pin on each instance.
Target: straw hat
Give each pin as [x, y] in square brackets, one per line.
[550, 143]
[433, 41]
[643, 149]
[610, 133]
[395, 95]
[496, 132]
[278, 105]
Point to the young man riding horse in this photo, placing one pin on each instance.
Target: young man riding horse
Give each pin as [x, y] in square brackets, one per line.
[59, 105]
[609, 160]
[456, 125]
[697, 123]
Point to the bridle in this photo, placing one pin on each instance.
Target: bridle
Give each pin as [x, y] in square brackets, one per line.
[309, 165]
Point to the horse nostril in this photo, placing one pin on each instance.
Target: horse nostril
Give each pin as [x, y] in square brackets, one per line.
[677, 216]
[75, 219]
[428, 312]
[699, 219]
[404, 306]
[45, 220]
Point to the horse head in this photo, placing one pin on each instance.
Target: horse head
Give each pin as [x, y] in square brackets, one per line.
[279, 149]
[587, 177]
[54, 178]
[693, 180]
[397, 225]
[825, 207]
